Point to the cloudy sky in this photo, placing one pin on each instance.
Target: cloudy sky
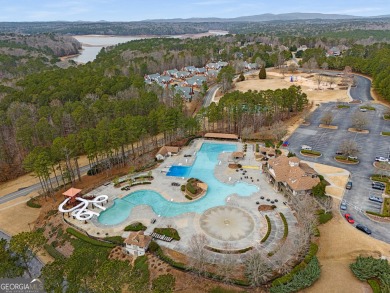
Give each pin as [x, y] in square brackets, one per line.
[133, 10]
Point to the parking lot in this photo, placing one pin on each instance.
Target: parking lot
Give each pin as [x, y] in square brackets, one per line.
[373, 144]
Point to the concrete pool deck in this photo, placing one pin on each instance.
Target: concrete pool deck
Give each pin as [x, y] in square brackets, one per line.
[189, 224]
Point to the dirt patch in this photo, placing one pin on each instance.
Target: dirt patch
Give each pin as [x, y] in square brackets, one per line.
[234, 166]
[328, 126]
[264, 207]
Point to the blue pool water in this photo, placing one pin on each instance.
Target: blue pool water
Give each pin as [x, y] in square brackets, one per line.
[203, 169]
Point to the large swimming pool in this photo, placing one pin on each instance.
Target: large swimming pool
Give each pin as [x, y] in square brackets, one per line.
[203, 169]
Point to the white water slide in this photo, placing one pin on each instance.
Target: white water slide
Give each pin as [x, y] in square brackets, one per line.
[81, 211]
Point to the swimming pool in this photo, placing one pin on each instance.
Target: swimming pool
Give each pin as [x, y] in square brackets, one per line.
[203, 169]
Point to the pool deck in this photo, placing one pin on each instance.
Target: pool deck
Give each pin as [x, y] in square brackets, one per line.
[188, 224]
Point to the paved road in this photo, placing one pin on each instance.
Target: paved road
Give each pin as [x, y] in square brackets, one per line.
[35, 264]
[327, 141]
[210, 94]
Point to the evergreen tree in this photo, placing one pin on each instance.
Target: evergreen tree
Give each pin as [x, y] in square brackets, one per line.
[262, 73]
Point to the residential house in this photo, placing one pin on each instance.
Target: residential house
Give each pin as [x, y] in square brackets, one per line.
[195, 81]
[251, 66]
[302, 48]
[211, 73]
[290, 175]
[164, 79]
[166, 151]
[334, 51]
[217, 65]
[200, 71]
[222, 64]
[182, 74]
[185, 92]
[152, 77]
[190, 69]
[171, 72]
[137, 243]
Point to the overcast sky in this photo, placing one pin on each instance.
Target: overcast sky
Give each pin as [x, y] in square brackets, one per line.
[133, 10]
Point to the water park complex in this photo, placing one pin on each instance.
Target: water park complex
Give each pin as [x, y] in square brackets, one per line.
[215, 188]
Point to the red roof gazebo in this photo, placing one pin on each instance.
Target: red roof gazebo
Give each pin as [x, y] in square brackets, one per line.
[72, 193]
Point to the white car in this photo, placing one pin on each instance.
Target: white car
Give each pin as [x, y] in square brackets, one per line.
[352, 157]
[306, 147]
[381, 159]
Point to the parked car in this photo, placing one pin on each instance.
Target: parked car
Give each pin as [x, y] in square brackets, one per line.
[363, 228]
[381, 159]
[339, 153]
[343, 205]
[375, 198]
[352, 157]
[363, 110]
[349, 185]
[349, 218]
[378, 186]
[306, 147]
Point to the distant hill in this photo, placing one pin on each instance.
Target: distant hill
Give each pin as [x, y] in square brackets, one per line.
[262, 17]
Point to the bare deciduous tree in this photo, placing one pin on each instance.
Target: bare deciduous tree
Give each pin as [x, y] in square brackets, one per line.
[349, 148]
[327, 118]
[319, 78]
[359, 120]
[278, 131]
[198, 253]
[325, 202]
[331, 80]
[227, 264]
[293, 67]
[256, 268]
[325, 66]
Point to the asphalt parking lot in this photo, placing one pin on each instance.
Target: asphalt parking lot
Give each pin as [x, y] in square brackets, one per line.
[327, 142]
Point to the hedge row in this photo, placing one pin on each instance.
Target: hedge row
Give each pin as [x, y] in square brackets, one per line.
[135, 227]
[85, 238]
[54, 253]
[140, 183]
[33, 204]
[312, 252]
[302, 279]
[381, 178]
[285, 231]
[268, 231]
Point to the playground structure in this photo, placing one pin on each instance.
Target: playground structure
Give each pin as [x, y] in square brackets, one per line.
[81, 211]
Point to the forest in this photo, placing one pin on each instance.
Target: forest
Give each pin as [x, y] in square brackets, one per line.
[103, 107]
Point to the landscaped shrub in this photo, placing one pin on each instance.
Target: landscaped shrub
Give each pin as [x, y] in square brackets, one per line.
[183, 187]
[135, 227]
[387, 133]
[285, 231]
[54, 253]
[365, 268]
[302, 279]
[85, 238]
[163, 284]
[268, 231]
[379, 177]
[377, 214]
[33, 204]
[343, 106]
[374, 286]
[368, 108]
[268, 144]
[190, 188]
[188, 197]
[290, 154]
[324, 217]
[257, 148]
[153, 246]
[170, 232]
[314, 153]
[288, 277]
[343, 158]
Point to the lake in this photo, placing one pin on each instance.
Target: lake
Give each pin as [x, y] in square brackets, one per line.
[92, 44]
